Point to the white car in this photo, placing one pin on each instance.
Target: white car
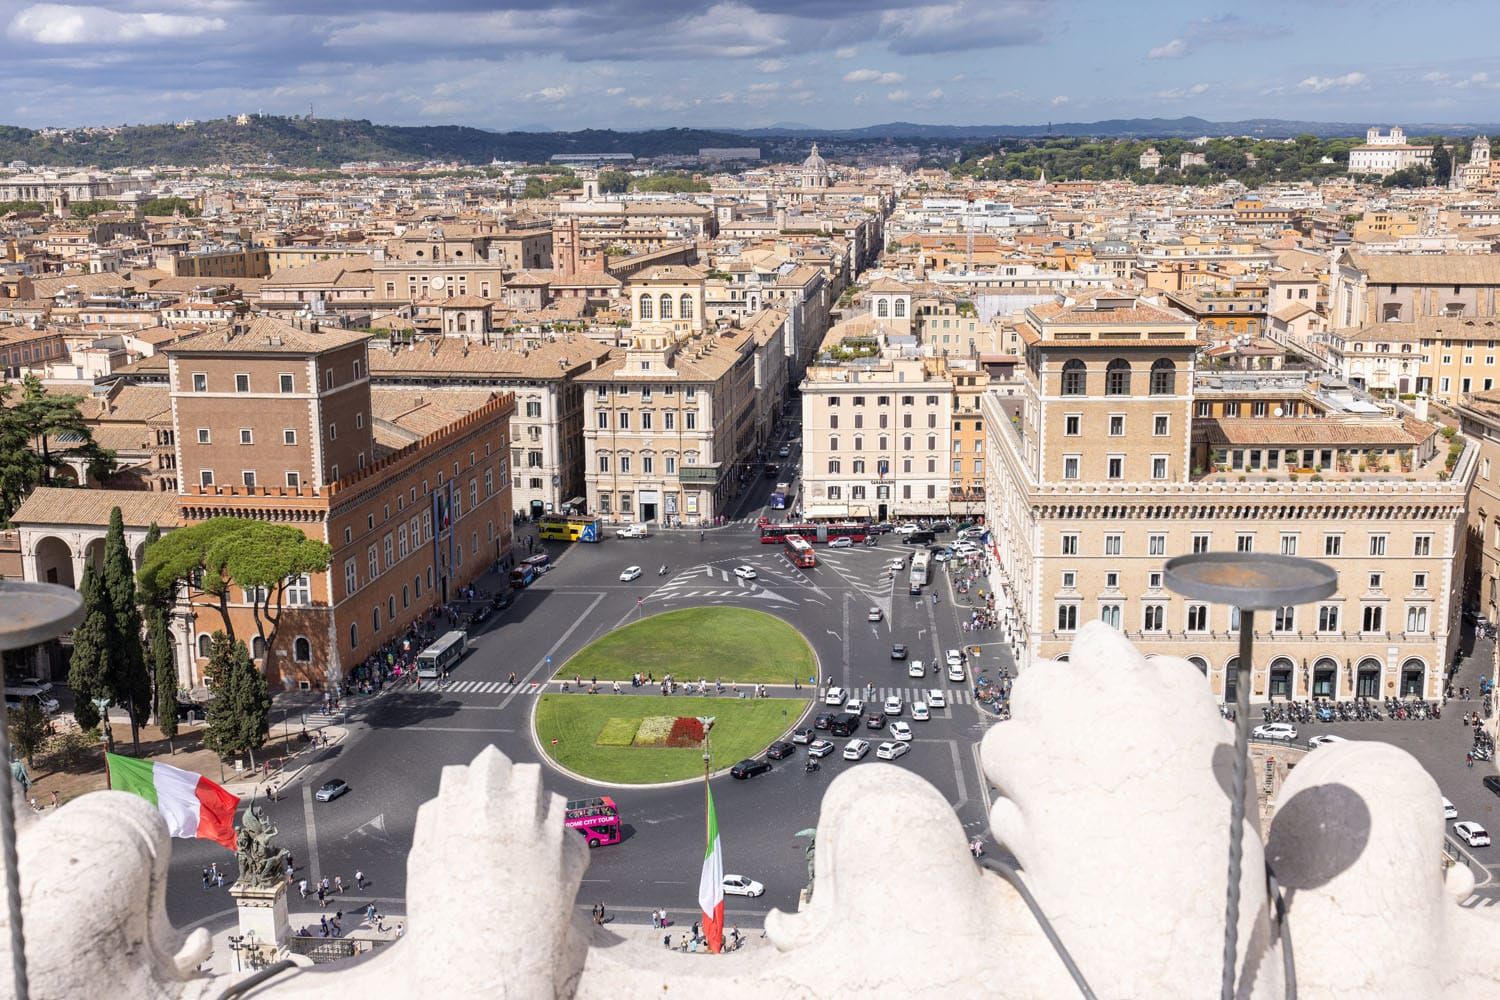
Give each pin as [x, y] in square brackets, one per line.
[897, 563]
[954, 657]
[820, 748]
[856, 749]
[890, 751]
[875, 615]
[855, 706]
[632, 531]
[916, 669]
[835, 696]
[936, 699]
[1275, 731]
[745, 572]
[1449, 810]
[739, 885]
[905, 529]
[919, 712]
[893, 705]
[841, 543]
[956, 673]
[1468, 831]
[901, 731]
[1325, 740]
[630, 573]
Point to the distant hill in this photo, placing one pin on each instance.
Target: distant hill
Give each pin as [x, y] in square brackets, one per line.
[326, 143]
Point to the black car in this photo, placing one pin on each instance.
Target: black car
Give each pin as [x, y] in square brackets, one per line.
[898, 651]
[1492, 782]
[778, 750]
[823, 720]
[941, 527]
[503, 600]
[749, 768]
[875, 720]
[844, 724]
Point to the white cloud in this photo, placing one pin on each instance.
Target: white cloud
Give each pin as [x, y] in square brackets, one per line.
[762, 88]
[1175, 49]
[614, 91]
[1318, 84]
[550, 95]
[64, 24]
[1436, 76]
[1178, 93]
[1481, 80]
[847, 52]
[771, 65]
[1060, 100]
[898, 95]
[963, 25]
[936, 93]
[872, 76]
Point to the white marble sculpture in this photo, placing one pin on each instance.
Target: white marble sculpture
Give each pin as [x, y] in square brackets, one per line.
[1112, 777]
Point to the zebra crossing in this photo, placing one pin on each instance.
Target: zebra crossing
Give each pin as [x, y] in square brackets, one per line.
[954, 696]
[454, 686]
[1477, 901]
[708, 581]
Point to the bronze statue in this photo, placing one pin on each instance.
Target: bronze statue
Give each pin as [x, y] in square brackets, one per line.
[262, 864]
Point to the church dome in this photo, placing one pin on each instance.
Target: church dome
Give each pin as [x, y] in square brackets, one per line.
[814, 170]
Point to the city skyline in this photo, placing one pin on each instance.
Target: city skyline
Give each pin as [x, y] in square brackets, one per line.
[825, 64]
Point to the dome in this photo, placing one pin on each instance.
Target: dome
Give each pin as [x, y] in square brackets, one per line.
[814, 170]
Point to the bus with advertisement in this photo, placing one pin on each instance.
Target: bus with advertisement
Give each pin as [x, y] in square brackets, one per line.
[772, 534]
[569, 528]
[800, 551]
[598, 820]
[438, 659]
[781, 496]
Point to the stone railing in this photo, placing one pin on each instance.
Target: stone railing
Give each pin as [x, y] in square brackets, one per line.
[1120, 833]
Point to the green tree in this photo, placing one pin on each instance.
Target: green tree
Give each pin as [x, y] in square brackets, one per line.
[28, 729]
[20, 467]
[1442, 163]
[89, 670]
[263, 559]
[56, 420]
[613, 182]
[1408, 177]
[129, 680]
[91, 208]
[239, 716]
[168, 206]
[160, 652]
[7, 207]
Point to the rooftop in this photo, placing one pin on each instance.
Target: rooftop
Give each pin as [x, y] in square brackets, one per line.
[265, 335]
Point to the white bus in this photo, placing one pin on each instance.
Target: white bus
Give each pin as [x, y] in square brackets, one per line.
[921, 564]
[437, 658]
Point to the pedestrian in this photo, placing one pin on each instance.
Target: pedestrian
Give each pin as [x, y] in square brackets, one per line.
[359, 879]
[323, 923]
[206, 879]
[400, 929]
[322, 897]
[666, 941]
[695, 928]
[55, 800]
[302, 888]
[338, 884]
[1469, 759]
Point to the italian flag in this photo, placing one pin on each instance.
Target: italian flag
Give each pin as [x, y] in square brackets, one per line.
[711, 884]
[192, 805]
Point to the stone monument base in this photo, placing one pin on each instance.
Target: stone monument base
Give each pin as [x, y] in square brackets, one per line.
[263, 923]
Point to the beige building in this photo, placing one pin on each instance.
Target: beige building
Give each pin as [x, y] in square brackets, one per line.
[1117, 460]
[1479, 417]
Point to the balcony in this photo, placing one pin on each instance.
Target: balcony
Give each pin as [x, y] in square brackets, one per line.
[698, 475]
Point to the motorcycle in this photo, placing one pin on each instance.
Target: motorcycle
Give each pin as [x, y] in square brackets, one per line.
[812, 766]
[662, 571]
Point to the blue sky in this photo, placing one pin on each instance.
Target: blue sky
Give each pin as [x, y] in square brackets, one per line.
[747, 63]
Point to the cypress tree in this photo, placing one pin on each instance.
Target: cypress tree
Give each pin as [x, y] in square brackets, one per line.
[88, 673]
[161, 658]
[239, 716]
[129, 680]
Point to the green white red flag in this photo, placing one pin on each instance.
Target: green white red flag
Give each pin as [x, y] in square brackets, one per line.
[192, 805]
[711, 884]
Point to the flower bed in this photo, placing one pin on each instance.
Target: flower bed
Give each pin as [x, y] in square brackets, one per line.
[687, 731]
[654, 730]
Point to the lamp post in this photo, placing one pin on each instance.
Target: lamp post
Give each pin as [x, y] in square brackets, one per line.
[1249, 582]
[34, 612]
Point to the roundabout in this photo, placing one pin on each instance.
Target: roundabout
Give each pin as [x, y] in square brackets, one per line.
[641, 736]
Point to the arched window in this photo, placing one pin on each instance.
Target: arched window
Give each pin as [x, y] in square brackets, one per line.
[463, 323]
[666, 306]
[645, 307]
[900, 308]
[301, 649]
[1073, 377]
[882, 308]
[353, 635]
[257, 648]
[203, 642]
[1117, 378]
[686, 310]
[1163, 375]
[1200, 663]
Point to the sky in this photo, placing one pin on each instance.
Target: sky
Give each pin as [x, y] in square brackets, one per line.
[512, 64]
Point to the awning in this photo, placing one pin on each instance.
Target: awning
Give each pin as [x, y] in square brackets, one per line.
[825, 510]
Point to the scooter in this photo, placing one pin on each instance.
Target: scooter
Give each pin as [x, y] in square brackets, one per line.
[812, 766]
[662, 571]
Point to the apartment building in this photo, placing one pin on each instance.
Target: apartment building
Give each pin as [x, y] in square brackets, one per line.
[1479, 420]
[1117, 460]
[877, 439]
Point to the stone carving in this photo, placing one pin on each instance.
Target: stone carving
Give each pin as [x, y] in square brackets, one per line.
[262, 864]
[1121, 829]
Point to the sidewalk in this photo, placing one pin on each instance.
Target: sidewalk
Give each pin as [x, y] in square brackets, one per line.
[356, 927]
[252, 785]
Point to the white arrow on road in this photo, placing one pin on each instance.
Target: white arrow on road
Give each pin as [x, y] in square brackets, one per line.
[372, 828]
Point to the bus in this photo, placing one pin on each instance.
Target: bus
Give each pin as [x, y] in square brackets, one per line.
[800, 551]
[781, 496]
[569, 528]
[855, 531]
[921, 568]
[437, 659]
[597, 819]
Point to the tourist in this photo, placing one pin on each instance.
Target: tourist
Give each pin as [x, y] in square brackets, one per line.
[359, 878]
[338, 884]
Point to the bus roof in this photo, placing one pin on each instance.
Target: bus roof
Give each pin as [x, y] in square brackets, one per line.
[595, 803]
[444, 641]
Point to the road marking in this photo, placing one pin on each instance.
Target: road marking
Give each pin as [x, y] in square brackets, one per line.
[449, 729]
[546, 660]
[958, 774]
[311, 823]
[984, 784]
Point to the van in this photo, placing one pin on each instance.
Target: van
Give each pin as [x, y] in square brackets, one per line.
[844, 724]
[632, 531]
[919, 538]
[541, 562]
[19, 697]
[522, 576]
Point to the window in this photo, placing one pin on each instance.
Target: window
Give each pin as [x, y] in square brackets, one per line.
[1244, 543]
[1419, 581]
[1116, 425]
[1073, 378]
[1069, 579]
[1197, 618]
[248, 477]
[1286, 620]
[603, 419]
[351, 577]
[353, 635]
[1328, 618]
[1158, 467]
[646, 420]
[1288, 545]
[1163, 374]
[1117, 378]
[1070, 466]
[373, 562]
[1333, 545]
[883, 308]
[293, 480]
[1376, 579]
[1159, 425]
[624, 463]
[288, 436]
[242, 383]
[623, 419]
[203, 435]
[1112, 580]
[1070, 544]
[692, 420]
[1112, 544]
[646, 312]
[1109, 614]
[1116, 466]
[301, 649]
[1153, 618]
[1200, 543]
[686, 303]
[1374, 617]
[1422, 545]
[246, 436]
[1067, 617]
[375, 617]
[1377, 545]
[834, 467]
[1072, 425]
[1416, 618]
[1156, 545]
[200, 382]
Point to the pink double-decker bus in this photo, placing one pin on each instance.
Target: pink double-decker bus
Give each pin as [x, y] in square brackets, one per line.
[597, 819]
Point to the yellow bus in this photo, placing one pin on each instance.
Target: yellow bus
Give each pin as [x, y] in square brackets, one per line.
[570, 528]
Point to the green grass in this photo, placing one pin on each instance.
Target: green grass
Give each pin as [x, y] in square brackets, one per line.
[735, 644]
[744, 727]
[617, 732]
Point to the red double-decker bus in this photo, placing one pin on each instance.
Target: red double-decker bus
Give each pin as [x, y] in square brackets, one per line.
[855, 531]
[799, 551]
[597, 819]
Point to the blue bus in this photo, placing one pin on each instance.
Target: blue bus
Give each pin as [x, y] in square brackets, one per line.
[781, 496]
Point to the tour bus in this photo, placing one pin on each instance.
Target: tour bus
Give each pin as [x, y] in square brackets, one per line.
[781, 496]
[569, 528]
[441, 655]
[921, 567]
[800, 551]
[597, 819]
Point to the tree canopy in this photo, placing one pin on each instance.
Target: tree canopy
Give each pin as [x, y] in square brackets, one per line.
[128, 681]
[239, 716]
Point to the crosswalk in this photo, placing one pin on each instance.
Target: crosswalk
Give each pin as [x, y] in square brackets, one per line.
[954, 696]
[709, 582]
[456, 686]
[1477, 901]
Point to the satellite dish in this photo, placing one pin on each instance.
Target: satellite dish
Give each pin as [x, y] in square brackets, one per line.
[1278, 411]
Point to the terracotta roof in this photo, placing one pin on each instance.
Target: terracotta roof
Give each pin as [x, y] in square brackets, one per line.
[1429, 269]
[669, 272]
[441, 357]
[324, 272]
[1424, 327]
[59, 505]
[1287, 313]
[1329, 430]
[265, 334]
